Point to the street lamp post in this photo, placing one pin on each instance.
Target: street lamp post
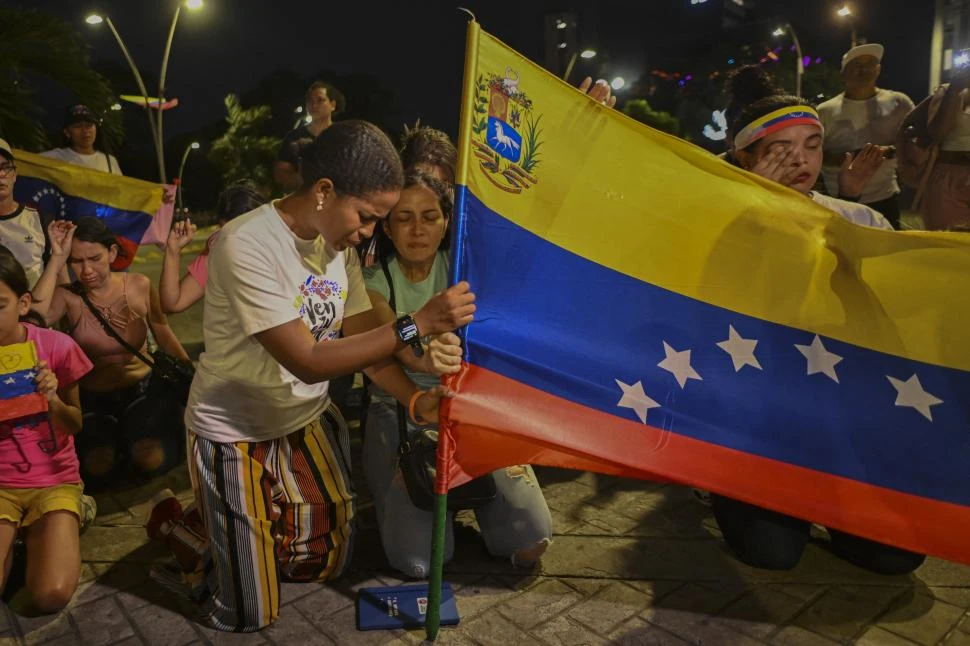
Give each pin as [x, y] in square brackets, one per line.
[585, 54]
[185, 156]
[154, 122]
[95, 19]
[846, 13]
[190, 4]
[800, 67]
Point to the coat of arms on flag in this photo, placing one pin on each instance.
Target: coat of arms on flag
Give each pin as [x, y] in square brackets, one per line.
[506, 132]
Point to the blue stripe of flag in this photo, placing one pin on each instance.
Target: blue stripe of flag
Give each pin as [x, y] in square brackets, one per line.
[15, 384]
[561, 323]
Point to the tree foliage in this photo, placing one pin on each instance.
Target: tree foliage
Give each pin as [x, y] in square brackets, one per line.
[640, 110]
[245, 151]
[36, 47]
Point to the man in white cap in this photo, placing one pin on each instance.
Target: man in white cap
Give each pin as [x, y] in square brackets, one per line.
[864, 114]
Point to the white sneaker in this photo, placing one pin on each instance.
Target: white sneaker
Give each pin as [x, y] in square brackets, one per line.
[89, 511]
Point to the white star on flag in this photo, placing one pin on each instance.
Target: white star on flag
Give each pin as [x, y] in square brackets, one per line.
[910, 393]
[740, 349]
[635, 399]
[820, 359]
[9, 380]
[678, 363]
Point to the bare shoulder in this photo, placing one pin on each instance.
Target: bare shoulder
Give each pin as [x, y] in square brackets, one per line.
[139, 281]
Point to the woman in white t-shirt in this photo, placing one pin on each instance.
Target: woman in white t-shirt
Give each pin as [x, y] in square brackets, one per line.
[269, 454]
[780, 138]
[81, 135]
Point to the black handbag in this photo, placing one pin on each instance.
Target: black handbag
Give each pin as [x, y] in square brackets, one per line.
[418, 458]
[170, 377]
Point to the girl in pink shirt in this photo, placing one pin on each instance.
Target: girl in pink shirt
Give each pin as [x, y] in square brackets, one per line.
[40, 483]
[178, 295]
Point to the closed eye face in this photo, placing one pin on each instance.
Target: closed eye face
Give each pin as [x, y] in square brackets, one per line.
[804, 142]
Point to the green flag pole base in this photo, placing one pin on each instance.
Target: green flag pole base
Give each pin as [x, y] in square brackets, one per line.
[433, 622]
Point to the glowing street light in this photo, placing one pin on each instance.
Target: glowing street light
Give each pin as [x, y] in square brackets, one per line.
[586, 54]
[618, 83]
[94, 19]
[193, 4]
[800, 65]
[846, 13]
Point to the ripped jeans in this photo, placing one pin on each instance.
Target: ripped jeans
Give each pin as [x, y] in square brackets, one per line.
[518, 518]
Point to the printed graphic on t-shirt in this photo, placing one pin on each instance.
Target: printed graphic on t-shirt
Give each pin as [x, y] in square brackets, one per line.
[320, 304]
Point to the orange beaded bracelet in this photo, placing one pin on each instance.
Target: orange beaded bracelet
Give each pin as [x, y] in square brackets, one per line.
[414, 400]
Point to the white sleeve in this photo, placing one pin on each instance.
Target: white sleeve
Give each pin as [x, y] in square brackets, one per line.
[357, 299]
[876, 219]
[252, 283]
[115, 167]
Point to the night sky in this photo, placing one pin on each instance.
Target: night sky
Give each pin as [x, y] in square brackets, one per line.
[415, 48]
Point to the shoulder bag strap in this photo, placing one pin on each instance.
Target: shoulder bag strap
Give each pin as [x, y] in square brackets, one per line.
[111, 331]
[402, 422]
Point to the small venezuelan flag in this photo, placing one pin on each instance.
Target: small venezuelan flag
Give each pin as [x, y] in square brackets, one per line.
[133, 209]
[18, 389]
[647, 310]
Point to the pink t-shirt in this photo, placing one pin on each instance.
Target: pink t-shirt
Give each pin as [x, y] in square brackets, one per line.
[199, 268]
[23, 463]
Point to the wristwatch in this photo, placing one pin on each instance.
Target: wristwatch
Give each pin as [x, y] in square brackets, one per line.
[407, 332]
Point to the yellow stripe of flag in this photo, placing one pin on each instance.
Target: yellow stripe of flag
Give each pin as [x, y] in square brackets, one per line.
[661, 210]
[17, 357]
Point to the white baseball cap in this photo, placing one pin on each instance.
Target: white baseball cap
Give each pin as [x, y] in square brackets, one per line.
[869, 49]
[5, 149]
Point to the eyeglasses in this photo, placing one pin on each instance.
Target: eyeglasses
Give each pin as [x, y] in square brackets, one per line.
[6, 169]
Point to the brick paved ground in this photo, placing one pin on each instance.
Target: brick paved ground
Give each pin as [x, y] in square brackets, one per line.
[632, 563]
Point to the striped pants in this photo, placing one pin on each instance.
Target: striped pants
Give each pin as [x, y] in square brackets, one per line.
[276, 510]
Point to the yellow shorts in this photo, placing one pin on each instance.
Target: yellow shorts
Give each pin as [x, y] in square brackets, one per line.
[23, 507]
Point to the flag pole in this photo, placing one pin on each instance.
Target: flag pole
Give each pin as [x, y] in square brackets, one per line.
[433, 621]
[445, 445]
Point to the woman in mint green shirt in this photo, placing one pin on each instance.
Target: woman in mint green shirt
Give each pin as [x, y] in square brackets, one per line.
[412, 252]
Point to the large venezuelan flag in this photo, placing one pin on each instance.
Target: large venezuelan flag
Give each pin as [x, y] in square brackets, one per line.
[132, 208]
[645, 309]
[18, 388]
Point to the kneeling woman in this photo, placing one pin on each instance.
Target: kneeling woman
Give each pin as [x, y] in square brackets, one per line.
[790, 152]
[411, 268]
[125, 432]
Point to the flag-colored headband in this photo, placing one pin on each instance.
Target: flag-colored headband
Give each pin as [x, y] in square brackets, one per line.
[795, 115]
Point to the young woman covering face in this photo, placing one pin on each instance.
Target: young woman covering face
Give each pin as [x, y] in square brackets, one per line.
[780, 138]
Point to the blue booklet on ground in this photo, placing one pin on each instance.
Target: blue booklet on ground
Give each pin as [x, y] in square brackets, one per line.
[402, 606]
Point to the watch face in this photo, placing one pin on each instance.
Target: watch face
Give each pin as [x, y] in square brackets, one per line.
[407, 329]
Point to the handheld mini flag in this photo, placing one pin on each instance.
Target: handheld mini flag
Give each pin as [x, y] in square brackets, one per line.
[18, 389]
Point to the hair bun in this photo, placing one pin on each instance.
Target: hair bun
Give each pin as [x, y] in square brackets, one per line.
[749, 83]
